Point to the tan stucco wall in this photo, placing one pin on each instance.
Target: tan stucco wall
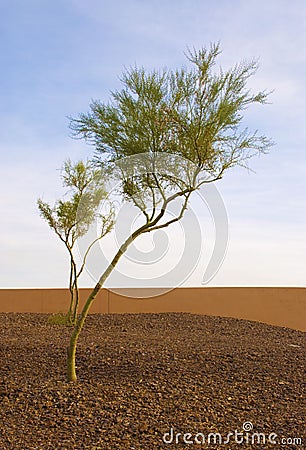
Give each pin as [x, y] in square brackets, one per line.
[280, 306]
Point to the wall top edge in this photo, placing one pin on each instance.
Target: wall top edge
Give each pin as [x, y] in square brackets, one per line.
[153, 288]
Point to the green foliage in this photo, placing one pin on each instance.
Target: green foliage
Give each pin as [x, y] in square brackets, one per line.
[71, 217]
[195, 113]
[61, 319]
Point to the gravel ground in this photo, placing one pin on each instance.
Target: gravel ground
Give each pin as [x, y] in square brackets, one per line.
[146, 377]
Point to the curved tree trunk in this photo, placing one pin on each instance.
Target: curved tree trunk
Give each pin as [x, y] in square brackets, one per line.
[71, 290]
[71, 350]
[76, 300]
[74, 291]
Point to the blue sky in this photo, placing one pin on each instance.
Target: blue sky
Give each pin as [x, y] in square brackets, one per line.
[57, 56]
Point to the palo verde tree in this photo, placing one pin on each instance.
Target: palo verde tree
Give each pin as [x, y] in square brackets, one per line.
[81, 180]
[168, 133]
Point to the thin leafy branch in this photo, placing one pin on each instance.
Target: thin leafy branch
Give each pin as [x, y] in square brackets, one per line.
[70, 222]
